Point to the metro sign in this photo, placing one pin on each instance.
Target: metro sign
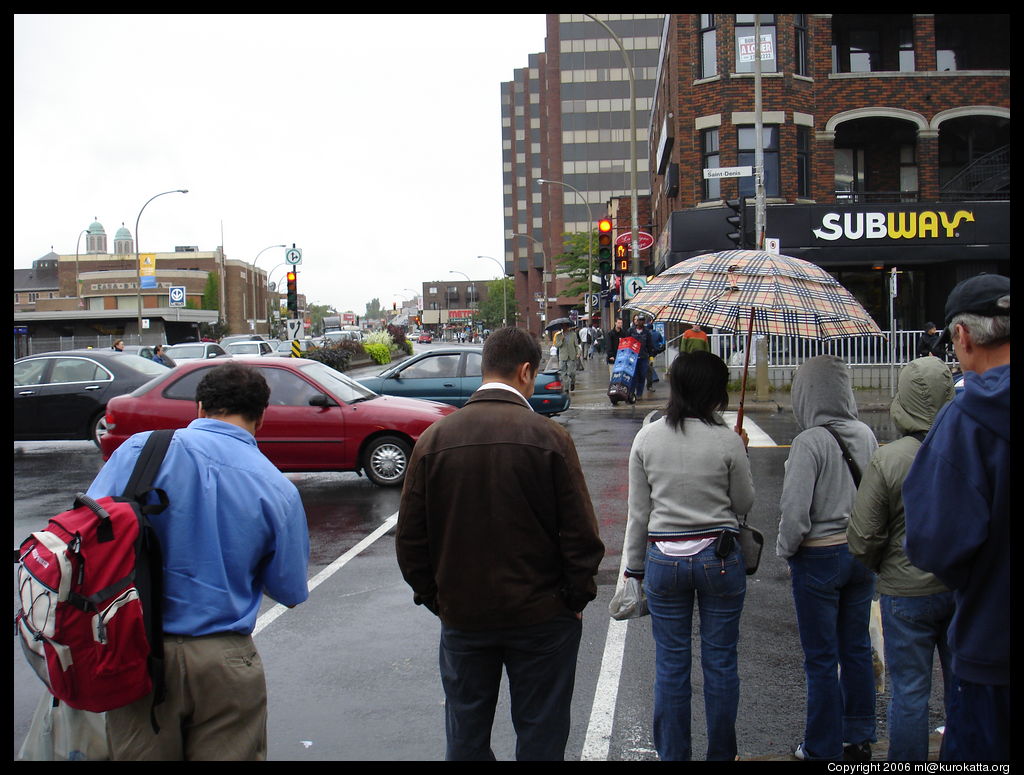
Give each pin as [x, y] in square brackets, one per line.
[644, 239]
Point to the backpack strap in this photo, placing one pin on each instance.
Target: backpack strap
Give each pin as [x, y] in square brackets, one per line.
[140, 483]
[854, 468]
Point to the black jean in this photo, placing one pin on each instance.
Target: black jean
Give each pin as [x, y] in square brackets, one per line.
[541, 664]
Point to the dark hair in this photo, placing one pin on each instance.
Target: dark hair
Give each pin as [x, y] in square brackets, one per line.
[699, 387]
[507, 349]
[234, 388]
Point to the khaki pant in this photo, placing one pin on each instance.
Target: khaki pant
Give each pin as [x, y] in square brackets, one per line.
[215, 709]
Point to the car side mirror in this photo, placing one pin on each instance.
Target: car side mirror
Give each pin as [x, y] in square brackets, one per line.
[320, 399]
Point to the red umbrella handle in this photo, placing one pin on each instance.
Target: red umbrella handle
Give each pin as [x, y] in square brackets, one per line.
[746, 363]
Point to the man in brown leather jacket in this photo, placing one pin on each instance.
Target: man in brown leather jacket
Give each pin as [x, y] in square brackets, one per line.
[497, 536]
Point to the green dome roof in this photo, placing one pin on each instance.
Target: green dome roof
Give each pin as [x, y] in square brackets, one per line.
[96, 228]
[122, 233]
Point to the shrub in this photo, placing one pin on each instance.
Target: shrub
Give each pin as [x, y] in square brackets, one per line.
[338, 355]
[378, 337]
[380, 352]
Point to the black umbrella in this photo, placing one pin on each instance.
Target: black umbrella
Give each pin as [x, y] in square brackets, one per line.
[559, 323]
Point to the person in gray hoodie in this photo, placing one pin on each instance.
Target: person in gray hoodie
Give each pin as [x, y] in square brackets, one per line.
[832, 592]
[916, 607]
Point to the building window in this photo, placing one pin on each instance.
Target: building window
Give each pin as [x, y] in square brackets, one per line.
[800, 66]
[908, 173]
[803, 161]
[872, 43]
[745, 46]
[746, 139]
[710, 159]
[708, 46]
[972, 41]
[849, 164]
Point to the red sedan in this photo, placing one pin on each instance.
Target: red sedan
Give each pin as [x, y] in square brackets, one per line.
[318, 418]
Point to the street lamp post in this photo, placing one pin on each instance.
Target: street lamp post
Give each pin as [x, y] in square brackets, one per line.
[78, 281]
[546, 274]
[504, 290]
[590, 240]
[632, 141]
[138, 269]
[254, 283]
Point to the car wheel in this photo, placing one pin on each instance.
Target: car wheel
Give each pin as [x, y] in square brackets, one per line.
[98, 427]
[385, 460]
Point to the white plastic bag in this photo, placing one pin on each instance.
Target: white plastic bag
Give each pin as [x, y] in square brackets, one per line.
[63, 734]
[629, 601]
[877, 645]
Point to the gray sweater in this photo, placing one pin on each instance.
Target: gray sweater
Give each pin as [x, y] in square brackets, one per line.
[818, 488]
[683, 483]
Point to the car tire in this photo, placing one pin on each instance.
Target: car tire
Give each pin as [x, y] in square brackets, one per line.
[98, 427]
[385, 460]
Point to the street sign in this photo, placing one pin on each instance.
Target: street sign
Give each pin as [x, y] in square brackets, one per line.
[644, 239]
[728, 172]
[631, 285]
[293, 256]
[292, 326]
[771, 245]
[176, 295]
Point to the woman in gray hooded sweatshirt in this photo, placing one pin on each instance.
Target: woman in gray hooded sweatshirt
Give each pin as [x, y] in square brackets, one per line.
[832, 591]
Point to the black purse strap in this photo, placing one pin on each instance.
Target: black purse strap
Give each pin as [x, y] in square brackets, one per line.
[854, 468]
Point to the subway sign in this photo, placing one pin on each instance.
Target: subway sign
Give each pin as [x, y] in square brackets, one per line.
[899, 224]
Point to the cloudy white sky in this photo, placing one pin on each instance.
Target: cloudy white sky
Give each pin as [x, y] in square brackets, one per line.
[346, 135]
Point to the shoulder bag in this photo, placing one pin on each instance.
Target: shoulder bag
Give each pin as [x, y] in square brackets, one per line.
[751, 543]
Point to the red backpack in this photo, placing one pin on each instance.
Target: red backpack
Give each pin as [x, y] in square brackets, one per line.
[90, 587]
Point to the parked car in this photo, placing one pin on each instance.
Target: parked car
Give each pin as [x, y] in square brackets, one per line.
[192, 351]
[450, 375]
[283, 349]
[143, 350]
[424, 338]
[226, 340]
[333, 337]
[64, 395]
[249, 348]
[318, 418]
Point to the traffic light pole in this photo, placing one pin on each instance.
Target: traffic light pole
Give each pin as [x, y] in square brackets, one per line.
[759, 198]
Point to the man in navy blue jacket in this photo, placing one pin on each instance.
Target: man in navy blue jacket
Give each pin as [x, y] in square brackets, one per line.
[957, 501]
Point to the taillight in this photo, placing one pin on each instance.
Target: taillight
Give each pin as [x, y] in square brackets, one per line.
[109, 417]
[556, 385]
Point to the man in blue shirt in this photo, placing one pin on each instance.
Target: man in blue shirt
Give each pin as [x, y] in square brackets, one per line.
[234, 530]
[957, 501]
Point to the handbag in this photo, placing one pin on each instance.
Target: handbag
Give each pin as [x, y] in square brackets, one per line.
[629, 600]
[751, 542]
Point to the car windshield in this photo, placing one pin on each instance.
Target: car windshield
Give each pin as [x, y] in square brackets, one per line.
[144, 365]
[187, 351]
[245, 348]
[285, 347]
[343, 388]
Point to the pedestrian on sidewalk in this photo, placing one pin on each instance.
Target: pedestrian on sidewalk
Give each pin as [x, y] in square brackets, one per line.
[832, 592]
[689, 479]
[567, 345]
[957, 501]
[929, 343]
[586, 341]
[916, 606]
[612, 338]
[497, 537]
[694, 339]
[639, 332]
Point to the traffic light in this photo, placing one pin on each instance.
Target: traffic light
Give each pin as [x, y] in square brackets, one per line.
[738, 221]
[621, 259]
[604, 246]
[293, 296]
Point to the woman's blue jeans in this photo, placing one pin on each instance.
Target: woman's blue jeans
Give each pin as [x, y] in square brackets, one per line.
[832, 593]
[671, 583]
[914, 629]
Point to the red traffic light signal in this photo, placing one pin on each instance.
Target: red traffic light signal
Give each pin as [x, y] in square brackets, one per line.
[604, 245]
[293, 296]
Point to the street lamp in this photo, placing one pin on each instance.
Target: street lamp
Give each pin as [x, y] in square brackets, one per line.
[504, 290]
[254, 282]
[78, 281]
[590, 240]
[138, 269]
[546, 274]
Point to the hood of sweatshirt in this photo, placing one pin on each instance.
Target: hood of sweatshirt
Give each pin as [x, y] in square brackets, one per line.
[822, 392]
[986, 398]
[925, 386]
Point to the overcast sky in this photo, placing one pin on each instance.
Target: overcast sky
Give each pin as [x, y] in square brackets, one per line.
[346, 135]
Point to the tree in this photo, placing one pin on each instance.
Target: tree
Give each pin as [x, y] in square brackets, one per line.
[317, 313]
[492, 309]
[211, 293]
[373, 310]
[574, 261]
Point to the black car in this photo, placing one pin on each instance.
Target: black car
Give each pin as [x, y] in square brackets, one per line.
[63, 395]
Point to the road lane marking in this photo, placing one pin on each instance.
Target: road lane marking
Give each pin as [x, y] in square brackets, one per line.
[597, 743]
[757, 437]
[269, 616]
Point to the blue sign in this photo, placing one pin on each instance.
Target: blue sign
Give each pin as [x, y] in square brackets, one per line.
[21, 330]
[148, 281]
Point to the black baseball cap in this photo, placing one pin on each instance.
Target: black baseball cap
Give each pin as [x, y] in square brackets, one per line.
[978, 295]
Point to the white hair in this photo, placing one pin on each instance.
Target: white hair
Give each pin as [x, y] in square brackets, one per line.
[985, 330]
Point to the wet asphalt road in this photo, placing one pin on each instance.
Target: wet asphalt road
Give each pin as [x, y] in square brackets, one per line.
[352, 673]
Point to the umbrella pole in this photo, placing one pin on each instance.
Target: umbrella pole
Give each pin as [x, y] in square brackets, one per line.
[746, 364]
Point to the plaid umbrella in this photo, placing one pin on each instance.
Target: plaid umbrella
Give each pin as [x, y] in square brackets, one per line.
[758, 292]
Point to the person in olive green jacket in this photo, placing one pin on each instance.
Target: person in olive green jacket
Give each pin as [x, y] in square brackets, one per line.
[916, 607]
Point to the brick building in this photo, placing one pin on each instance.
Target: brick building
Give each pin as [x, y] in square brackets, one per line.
[886, 146]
